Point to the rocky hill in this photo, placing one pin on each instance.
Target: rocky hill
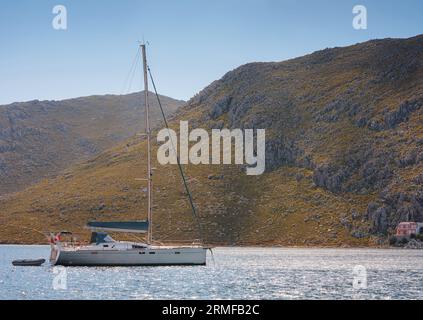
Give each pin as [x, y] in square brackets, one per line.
[344, 158]
[40, 138]
[352, 116]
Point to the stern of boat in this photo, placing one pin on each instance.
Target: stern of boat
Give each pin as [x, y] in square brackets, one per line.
[54, 253]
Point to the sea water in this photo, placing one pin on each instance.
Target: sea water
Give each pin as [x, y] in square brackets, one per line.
[236, 273]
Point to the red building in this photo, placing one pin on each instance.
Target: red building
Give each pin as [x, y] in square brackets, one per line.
[407, 229]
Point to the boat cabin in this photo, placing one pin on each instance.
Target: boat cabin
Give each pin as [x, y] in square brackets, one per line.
[100, 237]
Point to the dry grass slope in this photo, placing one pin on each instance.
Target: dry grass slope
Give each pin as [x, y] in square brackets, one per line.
[344, 158]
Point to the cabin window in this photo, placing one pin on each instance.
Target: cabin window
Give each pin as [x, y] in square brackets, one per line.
[152, 252]
[134, 246]
[141, 252]
[177, 252]
[105, 245]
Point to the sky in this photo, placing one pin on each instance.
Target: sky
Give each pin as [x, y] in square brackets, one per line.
[190, 42]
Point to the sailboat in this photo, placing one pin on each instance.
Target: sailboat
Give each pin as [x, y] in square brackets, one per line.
[103, 250]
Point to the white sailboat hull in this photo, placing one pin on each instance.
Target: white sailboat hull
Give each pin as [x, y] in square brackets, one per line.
[132, 257]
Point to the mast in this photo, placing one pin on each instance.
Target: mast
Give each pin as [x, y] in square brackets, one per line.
[148, 133]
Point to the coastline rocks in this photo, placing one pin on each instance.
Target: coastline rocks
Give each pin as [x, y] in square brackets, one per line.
[393, 208]
[414, 244]
[378, 216]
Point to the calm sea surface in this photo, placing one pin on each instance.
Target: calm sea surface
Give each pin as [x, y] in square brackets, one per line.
[238, 273]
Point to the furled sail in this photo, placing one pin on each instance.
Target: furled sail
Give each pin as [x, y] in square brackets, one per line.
[119, 226]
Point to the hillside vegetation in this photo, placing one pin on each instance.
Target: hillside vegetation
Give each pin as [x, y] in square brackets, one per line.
[38, 139]
[344, 158]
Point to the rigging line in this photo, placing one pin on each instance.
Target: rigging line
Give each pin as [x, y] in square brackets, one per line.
[131, 71]
[130, 75]
[191, 201]
[134, 72]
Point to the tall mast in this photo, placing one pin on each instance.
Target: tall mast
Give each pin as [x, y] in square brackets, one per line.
[148, 132]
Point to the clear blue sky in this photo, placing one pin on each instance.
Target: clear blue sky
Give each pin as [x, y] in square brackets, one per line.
[192, 42]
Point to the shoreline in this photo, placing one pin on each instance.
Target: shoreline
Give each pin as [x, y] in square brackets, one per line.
[249, 246]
